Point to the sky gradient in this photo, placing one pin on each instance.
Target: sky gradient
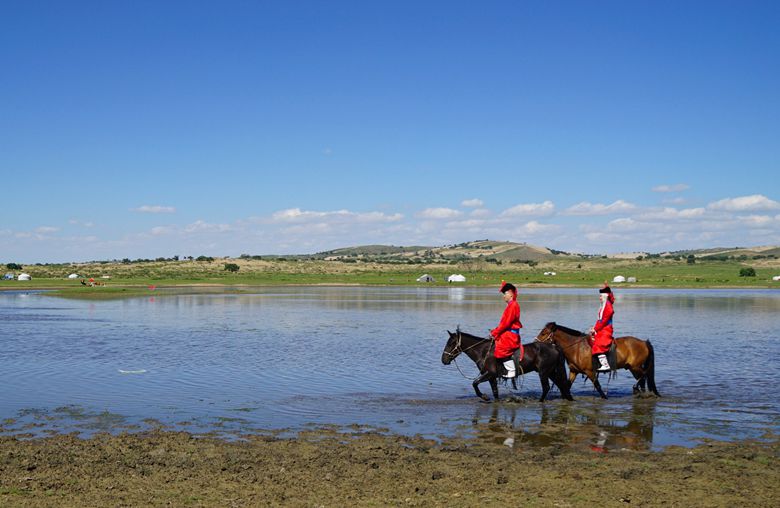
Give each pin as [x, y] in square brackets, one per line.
[150, 129]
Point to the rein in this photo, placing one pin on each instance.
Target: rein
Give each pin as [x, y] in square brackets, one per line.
[458, 350]
[549, 340]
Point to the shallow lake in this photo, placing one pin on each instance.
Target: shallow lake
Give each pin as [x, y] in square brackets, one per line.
[271, 359]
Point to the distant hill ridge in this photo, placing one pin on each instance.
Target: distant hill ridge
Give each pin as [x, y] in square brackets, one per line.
[512, 251]
[504, 251]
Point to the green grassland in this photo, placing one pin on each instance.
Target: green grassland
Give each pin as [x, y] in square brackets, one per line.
[135, 279]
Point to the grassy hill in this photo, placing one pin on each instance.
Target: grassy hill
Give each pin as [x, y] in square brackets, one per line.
[483, 263]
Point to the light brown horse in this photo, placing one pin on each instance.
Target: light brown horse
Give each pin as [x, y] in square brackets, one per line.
[633, 354]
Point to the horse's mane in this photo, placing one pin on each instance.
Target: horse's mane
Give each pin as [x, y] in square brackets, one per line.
[566, 329]
[472, 336]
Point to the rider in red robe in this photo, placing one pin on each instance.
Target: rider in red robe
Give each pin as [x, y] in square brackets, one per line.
[601, 333]
[507, 333]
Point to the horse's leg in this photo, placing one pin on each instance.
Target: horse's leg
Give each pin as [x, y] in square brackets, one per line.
[494, 386]
[639, 375]
[545, 385]
[563, 384]
[595, 378]
[481, 379]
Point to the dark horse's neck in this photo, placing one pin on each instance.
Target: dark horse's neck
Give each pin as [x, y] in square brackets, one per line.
[476, 348]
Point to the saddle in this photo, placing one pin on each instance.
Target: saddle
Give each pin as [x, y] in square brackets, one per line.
[611, 358]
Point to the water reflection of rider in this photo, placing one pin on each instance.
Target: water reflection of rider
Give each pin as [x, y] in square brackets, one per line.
[635, 434]
[507, 333]
[569, 426]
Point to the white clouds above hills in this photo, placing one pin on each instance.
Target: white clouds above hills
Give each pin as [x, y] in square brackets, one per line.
[155, 209]
[745, 204]
[584, 227]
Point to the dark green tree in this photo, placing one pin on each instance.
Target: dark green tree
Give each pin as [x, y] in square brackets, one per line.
[13, 266]
[232, 267]
[747, 272]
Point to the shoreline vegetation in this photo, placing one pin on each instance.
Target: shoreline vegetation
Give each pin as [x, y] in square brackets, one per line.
[483, 264]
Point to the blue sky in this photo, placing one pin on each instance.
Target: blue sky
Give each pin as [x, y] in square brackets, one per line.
[146, 129]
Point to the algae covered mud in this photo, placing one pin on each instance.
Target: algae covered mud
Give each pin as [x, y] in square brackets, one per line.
[322, 468]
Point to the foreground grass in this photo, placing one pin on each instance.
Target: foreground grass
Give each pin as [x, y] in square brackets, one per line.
[127, 280]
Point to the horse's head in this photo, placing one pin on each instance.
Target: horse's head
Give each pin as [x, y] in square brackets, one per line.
[452, 349]
[547, 333]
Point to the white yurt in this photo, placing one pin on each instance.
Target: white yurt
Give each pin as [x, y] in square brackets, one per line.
[425, 278]
[776, 277]
[550, 273]
[618, 279]
[456, 277]
[73, 276]
[631, 279]
[24, 276]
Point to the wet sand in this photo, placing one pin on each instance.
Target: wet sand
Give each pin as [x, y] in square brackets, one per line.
[329, 468]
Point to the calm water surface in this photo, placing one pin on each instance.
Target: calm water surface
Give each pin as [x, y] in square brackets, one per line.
[290, 358]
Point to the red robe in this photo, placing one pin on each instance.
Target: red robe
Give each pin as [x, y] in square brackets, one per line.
[507, 341]
[603, 328]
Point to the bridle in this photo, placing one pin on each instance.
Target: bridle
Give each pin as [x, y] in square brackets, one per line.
[458, 350]
[549, 338]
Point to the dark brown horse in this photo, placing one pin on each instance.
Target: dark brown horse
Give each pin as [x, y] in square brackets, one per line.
[546, 359]
[633, 354]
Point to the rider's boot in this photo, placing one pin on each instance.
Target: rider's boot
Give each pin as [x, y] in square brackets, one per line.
[509, 365]
[604, 364]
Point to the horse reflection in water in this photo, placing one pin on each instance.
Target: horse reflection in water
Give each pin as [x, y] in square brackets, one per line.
[566, 425]
[546, 359]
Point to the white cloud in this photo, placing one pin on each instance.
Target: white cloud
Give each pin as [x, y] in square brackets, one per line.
[472, 203]
[586, 208]
[624, 225]
[745, 204]
[298, 215]
[535, 228]
[673, 214]
[161, 230]
[43, 230]
[439, 213]
[480, 213]
[671, 188]
[200, 226]
[545, 208]
[154, 209]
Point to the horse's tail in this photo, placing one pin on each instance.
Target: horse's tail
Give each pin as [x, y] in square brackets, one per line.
[561, 379]
[649, 368]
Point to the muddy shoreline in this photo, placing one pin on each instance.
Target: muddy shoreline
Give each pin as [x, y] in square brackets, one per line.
[328, 468]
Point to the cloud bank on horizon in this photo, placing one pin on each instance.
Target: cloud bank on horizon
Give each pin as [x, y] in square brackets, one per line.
[585, 227]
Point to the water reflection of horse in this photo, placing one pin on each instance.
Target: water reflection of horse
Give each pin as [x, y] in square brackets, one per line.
[546, 359]
[634, 354]
[566, 425]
